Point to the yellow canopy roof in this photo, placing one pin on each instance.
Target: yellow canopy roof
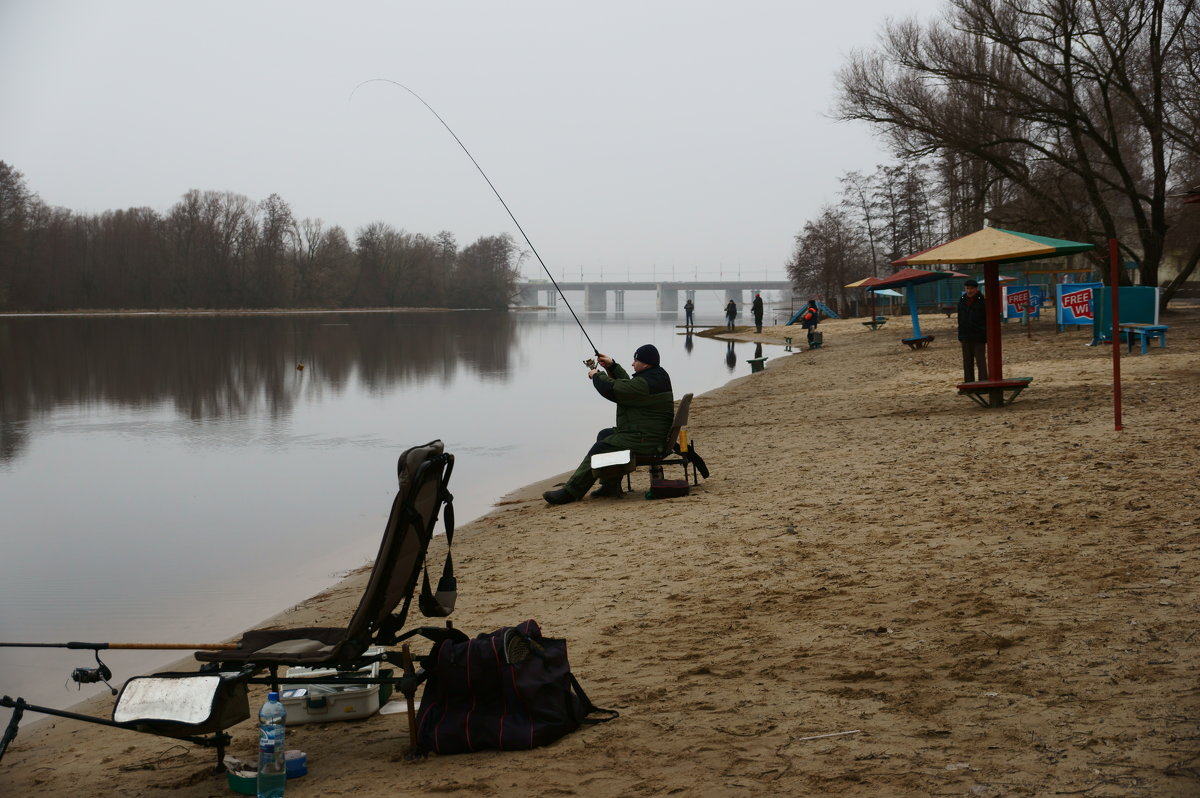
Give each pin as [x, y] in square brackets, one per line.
[993, 244]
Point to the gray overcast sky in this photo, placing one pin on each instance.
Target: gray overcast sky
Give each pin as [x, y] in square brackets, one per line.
[626, 137]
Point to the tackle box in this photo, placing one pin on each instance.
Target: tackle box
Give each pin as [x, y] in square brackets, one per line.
[324, 703]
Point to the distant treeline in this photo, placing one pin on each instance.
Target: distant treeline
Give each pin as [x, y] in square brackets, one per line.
[223, 250]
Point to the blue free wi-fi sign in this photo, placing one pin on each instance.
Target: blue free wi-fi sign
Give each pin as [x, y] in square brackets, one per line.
[1020, 300]
[1076, 302]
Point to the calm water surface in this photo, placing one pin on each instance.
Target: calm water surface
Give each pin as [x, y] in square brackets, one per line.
[176, 478]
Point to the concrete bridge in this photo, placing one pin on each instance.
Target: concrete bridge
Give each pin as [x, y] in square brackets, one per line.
[595, 292]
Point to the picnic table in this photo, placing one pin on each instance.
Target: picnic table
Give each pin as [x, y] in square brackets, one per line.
[1145, 332]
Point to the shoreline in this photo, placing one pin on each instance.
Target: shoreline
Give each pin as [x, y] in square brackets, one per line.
[998, 600]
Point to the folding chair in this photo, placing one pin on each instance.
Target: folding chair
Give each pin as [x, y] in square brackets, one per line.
[190, 706]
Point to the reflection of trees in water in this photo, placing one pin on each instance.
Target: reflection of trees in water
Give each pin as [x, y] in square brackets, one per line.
[216, 366]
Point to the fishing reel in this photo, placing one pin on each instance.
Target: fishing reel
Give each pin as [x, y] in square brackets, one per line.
[101, 673]
[590, 363]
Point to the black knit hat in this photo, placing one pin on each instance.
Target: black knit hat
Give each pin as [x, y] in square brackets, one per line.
[648, 354]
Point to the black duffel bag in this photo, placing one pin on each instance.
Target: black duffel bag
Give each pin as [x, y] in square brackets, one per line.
[510, 690]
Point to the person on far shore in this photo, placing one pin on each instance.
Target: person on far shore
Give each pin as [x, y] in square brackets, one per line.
[689, 309]
[972, 331]
[731, 313]
[645, 413]
[757, 309]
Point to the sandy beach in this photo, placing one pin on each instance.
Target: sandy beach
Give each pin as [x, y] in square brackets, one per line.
[976, 602]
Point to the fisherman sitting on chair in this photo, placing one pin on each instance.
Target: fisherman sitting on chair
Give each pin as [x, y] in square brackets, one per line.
[645, 412]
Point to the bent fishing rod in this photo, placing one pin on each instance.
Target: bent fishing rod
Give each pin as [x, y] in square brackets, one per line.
[494, 191]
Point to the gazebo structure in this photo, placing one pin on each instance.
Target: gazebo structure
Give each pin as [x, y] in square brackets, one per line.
[992, 247]
[907, 278]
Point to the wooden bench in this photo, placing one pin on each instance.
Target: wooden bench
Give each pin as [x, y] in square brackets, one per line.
[756, 364]
[991, 393]
[876, 322]
[917, 343]
[1146, 333]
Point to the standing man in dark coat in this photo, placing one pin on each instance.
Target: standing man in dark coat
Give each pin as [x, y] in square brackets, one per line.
[645, 413]
[730, 313]
[689, 310]
[972, 331]
[757, 309]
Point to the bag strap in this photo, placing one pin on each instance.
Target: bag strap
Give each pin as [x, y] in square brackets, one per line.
[588, 707]
[535, 648]
[441, 604]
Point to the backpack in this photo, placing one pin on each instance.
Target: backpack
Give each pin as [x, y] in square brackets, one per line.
[509, 690]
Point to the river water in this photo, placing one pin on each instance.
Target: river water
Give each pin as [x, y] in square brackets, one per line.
[176, 478]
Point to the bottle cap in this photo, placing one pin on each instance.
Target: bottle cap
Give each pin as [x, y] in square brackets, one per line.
[272, 696]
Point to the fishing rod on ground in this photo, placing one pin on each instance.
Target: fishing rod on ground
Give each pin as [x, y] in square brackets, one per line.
[102, 673]
[590, 362]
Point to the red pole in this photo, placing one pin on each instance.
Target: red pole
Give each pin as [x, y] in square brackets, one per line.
[1028, 308]
[991, 285]
[1116, 332]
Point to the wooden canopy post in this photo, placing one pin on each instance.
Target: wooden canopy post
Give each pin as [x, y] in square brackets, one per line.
[991, 285]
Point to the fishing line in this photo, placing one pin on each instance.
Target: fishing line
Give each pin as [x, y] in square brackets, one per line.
[494, 191]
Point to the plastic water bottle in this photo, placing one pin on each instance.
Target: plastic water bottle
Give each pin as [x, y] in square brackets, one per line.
[272, 770]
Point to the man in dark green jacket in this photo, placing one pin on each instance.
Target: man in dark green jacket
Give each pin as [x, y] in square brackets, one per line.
[645, 412]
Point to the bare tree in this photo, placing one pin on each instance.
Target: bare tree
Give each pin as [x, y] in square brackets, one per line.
[828, 254]
[486, 273]
[1078, 106]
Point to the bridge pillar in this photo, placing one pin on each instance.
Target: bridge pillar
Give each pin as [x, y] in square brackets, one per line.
[668, 300]
[595, 297]
[619, 300]
[528, 295]
[552, 298]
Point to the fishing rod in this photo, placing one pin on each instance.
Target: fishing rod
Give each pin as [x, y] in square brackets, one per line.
[115, 646]
[494, 191]
[102, 673]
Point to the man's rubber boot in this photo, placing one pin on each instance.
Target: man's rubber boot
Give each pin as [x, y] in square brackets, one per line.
[610, 490]
[560, 496]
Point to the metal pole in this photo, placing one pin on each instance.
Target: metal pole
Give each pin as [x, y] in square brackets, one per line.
[912, 308]
[1116, 332]
[991, 284]
[1028, 306]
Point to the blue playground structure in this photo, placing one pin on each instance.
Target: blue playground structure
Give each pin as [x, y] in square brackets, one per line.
[828, 311]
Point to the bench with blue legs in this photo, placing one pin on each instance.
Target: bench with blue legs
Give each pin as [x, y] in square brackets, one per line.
[917, 343]
[994, 393]
[1146, 333]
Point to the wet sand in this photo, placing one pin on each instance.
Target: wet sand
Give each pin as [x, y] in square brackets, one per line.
[994, 602]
